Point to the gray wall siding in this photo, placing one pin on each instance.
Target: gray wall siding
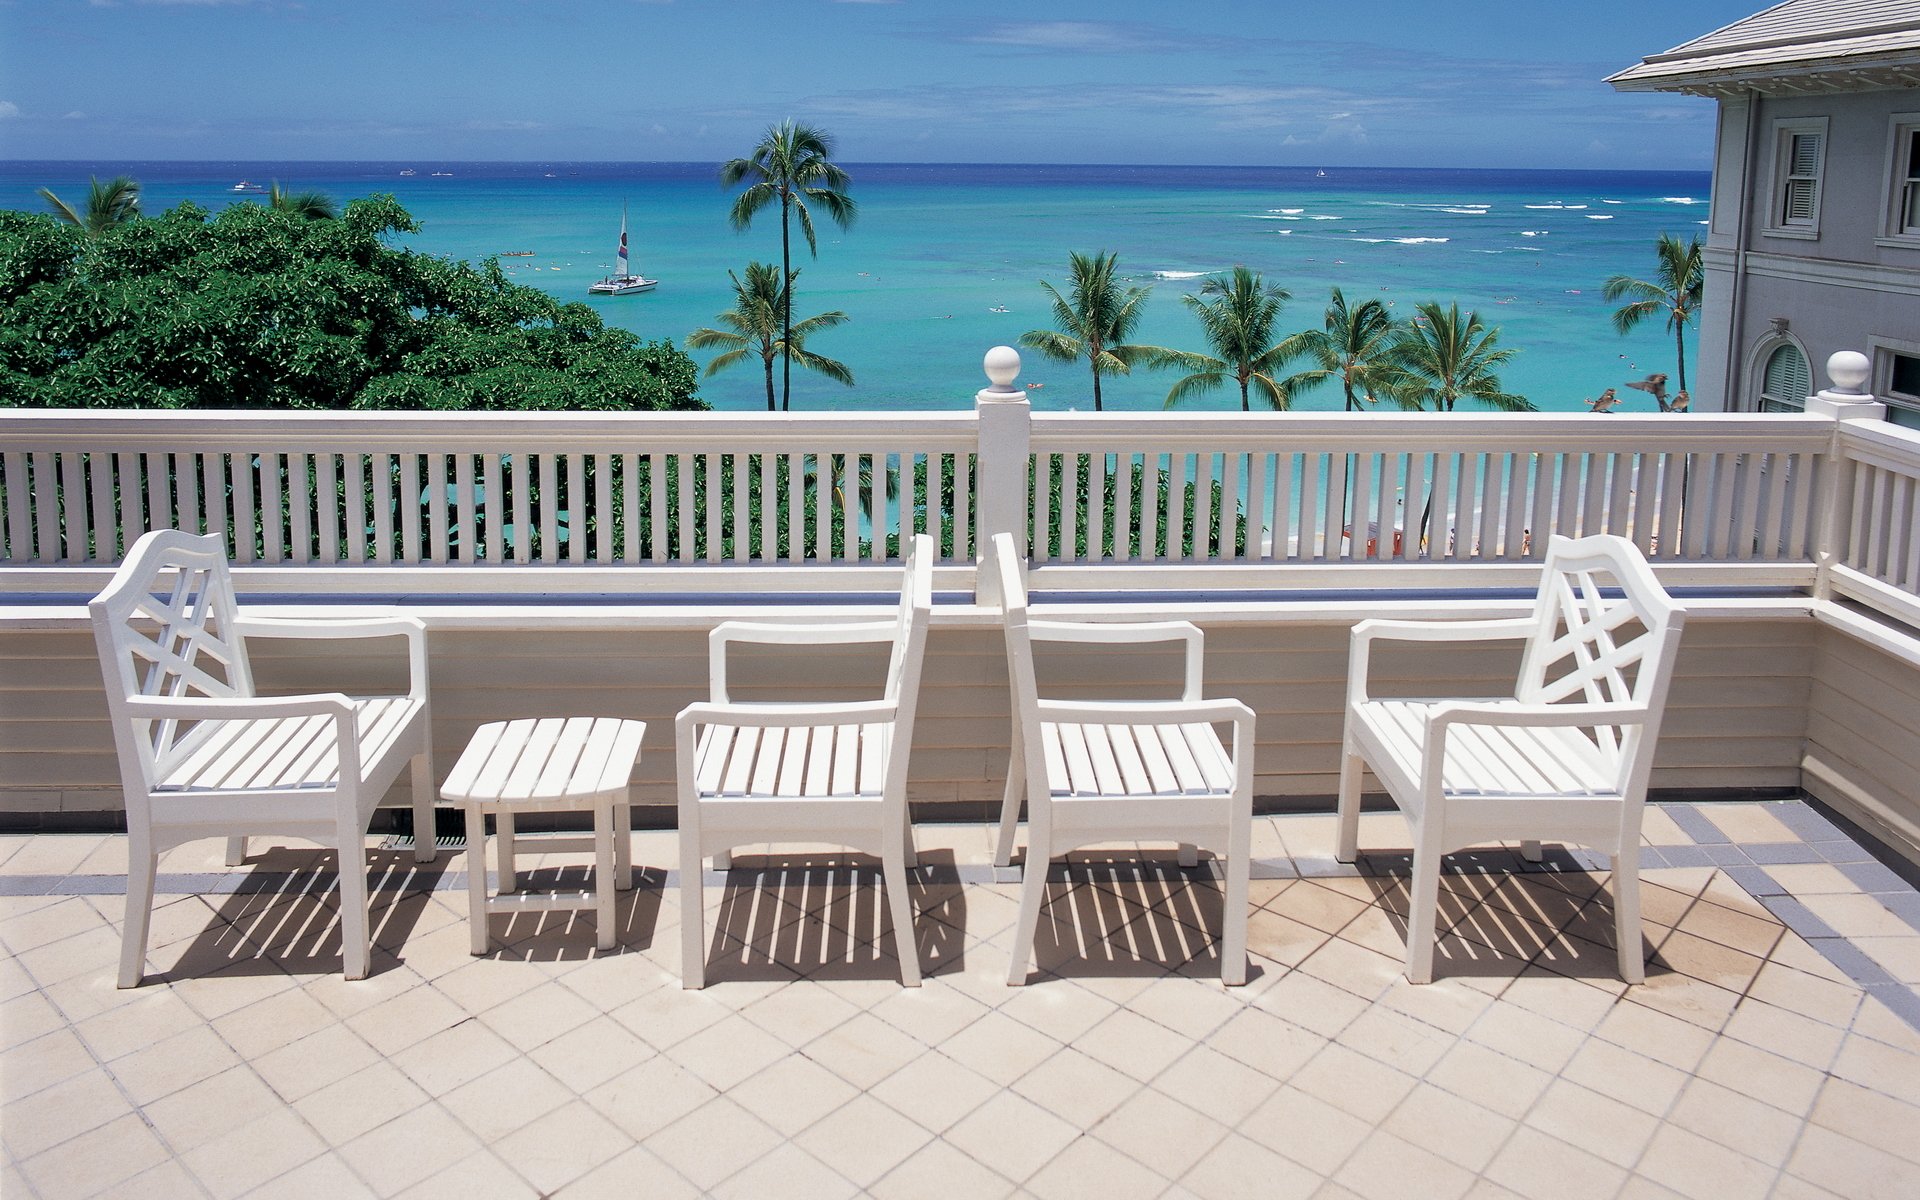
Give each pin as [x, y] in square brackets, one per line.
[1738, 711]
[1863, 738]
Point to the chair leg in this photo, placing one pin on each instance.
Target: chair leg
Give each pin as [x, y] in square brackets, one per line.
[505, 853]
[1347, 848]
[1626, 915]
[1530, 850]
[623, 846]
[1233, 916]
[693, 920]
[236, 851]
[476, 880]
[1010, 810]
[356, 944]
[141, 864]
[1425, 905]
[906, 944]
[605, 918]
[424, 848]
[1188, 855]
[911, 856]
[1033, 893]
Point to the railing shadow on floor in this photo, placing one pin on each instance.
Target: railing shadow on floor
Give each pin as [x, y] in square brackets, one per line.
[282, 916]
[824, 916]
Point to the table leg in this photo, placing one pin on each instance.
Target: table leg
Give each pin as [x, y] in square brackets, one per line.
[604, 890]
[477, 878]
[623, 845]
[503, 849]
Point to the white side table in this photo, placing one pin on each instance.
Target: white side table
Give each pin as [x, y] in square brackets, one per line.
[552, 764]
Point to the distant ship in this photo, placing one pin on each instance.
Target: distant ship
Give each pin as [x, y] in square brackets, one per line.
[622, 282]
[409, 171]
[244, 186]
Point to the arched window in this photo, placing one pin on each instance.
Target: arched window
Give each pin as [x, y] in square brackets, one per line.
[1787, 381]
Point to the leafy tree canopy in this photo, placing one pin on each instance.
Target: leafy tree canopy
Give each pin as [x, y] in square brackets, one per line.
[259, 307]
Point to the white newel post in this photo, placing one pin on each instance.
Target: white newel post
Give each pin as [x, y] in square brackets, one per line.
[1844, 399]
[1006, 429]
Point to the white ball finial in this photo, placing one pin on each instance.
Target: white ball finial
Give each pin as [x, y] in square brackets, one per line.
[1848, 371]
[1003, 367]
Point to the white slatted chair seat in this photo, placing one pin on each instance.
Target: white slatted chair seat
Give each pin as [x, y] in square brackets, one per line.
[1120, 770]
[1566, 757]
[201, 755]
[805, 772]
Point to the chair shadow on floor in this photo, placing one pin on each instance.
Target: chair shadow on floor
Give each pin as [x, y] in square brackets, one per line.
[1500, 915]
[571, 934]
[1126, 916]
[824, 916]
[282, 914]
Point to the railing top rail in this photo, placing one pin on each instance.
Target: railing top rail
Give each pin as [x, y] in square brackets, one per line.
[1459, 431]
[527, 432]
[1883, 443]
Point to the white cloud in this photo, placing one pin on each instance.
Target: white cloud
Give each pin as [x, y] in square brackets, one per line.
[8, 109]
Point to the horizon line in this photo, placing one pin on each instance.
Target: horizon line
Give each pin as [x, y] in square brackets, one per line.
[694, 162]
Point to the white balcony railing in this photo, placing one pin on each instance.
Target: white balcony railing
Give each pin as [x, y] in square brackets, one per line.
[391, 503]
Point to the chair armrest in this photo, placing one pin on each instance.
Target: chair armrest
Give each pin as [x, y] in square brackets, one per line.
[1145, 712]
[775, 634]
[1460, 712]
[767, 716]
[410, 628]
[1133, 633]
[1368, 632]
[260, 708]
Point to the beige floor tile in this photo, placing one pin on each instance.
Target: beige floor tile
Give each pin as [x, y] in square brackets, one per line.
[443, 1061]
[403, 1152]
[1130, 1044]
[1239, 1167]
[1011, 1135]
[939, 1171]
[1737, 1121]
[1851, 1168]
[728, 1052]
[1398, 1041]
[1387, 1168]
[665, 1015]
[584, 1058]
[1812, 879]
[78, 1104]
[1062, 1013]
[314, 1061]
[713, 1142]
[1787, 1033]
[1193, 1008]
[638, 1172]
[95, 1160]
[362, 1101]
[165, 1181]
[54, 921]
[1306, 1129]
[505, 1099]
[1899, 955]
[28, 1016]
[1598, 1124]
[801, 1012]
[864, 1050]
[1875, 1020]
[1538, 1041]
[1743, 931]
[1087, 1170]
[253, 1154]
[1315, 1004]
[645, 1098]
[1363, 972]
[1458, 1130]
[1655, 1034]
[538, 1015]
[1787, 1187]
[1703, 1170]
[1809, 995]
[1659, 829]
[1872, 1065]
[933, 1090]
[275, 1021]
[1629, 1077]
[1879, 1120]
[1488, 1077]
[481, 1174]
[566, 1143]
[1748, 822]
[787, 1171]
[1167, 1135]
[156, 1015]
[1221, 1087]
[211, 1108]
[1856, 915]
[482, 983]
[1536, 1164]
[863, 1139]
[173, 1063]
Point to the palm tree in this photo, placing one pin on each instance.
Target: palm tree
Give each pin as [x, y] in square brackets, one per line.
[1238, 323]
[1357, 345]
[114, 202]
[1673, 291]
[1451, 358]
[314, 206]
[756, 324]
[792, 164]
[1096, 317]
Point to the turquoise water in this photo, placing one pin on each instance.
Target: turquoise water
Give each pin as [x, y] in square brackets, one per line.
[937, 248]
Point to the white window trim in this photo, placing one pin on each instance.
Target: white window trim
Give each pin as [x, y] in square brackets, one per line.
[1783, 131]
[1900, 130]
[1881, 350]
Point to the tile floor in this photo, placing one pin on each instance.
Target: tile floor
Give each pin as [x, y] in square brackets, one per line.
[1773, 1051]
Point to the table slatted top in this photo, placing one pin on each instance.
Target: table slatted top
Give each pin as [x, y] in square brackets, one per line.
[546, 762]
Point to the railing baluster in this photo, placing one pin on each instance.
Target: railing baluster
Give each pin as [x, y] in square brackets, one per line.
[353, 506]
[240, 488]
[71, 512]
[1360, 487]
[409, 501]
[464, 537]
[326, 511]
[577, 512]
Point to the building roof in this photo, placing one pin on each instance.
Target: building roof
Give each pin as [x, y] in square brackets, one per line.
[1797, 46]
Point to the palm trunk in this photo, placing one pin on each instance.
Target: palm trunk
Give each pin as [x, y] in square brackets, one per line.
[1244, 405]
[1680, 355]
[786, 308]
[1096, 389]
[770, 398]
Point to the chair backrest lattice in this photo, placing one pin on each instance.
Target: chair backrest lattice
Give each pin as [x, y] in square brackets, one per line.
[1013, 600]
[165, 628]
[1606, 633]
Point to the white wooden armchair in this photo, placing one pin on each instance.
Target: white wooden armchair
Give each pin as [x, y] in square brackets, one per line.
[1566, 757]
[202, 756]
[1121, 770]
[805, 772]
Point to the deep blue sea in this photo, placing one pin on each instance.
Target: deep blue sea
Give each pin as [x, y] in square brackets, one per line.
[938, 248]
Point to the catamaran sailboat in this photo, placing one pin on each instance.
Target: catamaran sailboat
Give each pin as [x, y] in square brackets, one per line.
[622, 282]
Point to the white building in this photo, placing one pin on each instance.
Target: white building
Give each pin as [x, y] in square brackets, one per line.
[1813, 244]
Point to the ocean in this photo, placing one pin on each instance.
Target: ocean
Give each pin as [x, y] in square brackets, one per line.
[944, 260]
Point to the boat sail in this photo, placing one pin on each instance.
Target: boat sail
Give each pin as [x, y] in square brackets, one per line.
[623, 282]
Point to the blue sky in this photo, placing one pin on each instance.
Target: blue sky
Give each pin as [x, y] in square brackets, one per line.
[1476, 83]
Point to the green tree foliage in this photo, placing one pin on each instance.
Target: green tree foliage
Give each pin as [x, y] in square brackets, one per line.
[792, 164]
[1237, 312]
[1452, 358]
[1356, 344]
[114, 202]
[753, 329]
[1673, 292]
[315, 206]
[260, 307]
[1094, 319]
